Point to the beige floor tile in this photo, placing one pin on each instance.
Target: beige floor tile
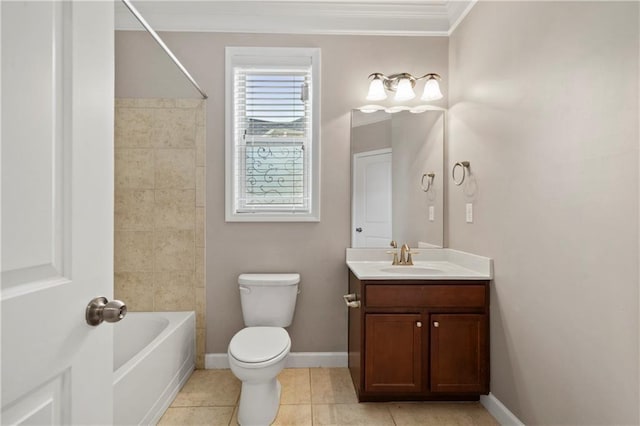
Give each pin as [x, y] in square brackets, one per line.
[293, 415]
[209, 388]
[441, 414]
[288, 415]
[193, 416]
[352, 414]
[296, 386]
[332, 386]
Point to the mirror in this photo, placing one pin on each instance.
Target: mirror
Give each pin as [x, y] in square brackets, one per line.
[397, 177]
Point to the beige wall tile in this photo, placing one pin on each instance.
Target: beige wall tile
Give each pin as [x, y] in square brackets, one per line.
[200, 307]
[155, 102]
[201, 341]
[133, 251]
[134, 209]
[200, 146]
[215, 388]
[332, 386]
[210, 416]
[134, 168]
[173, 291]
[125, 103]
[135, 289]
[199, 361]
[155, 265]
[174, 209]
[189, 103]
[296, 386]
[175, 169]
[200, 114]
[174, 250]
[200, 186]
[200, 226]
[200, 269]
[174, 128]
[132, 128]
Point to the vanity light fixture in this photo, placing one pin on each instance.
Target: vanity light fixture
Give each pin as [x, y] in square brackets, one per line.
[402, 84]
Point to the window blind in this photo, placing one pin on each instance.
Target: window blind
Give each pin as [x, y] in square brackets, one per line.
[272, 136]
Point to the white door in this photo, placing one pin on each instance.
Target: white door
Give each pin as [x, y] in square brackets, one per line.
[372, 199]
[57, 211]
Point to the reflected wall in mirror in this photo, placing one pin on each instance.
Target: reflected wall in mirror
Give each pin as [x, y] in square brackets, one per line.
[390, 153]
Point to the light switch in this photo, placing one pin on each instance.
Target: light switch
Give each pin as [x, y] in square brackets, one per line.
[432, 213]
[469, 212]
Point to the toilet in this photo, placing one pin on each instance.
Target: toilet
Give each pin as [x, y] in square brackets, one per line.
[257, 353]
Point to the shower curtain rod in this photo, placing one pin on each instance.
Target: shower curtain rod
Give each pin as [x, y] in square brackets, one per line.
[164, 47]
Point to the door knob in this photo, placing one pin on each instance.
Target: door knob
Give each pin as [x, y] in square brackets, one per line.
[436, 324]
[100, 309]
[358, 229]
[419, 324]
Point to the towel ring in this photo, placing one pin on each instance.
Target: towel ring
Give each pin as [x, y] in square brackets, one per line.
[465, 167]
[431, 176]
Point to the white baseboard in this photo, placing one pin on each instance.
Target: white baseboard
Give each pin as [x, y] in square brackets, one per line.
[294, 360]
[499, 411]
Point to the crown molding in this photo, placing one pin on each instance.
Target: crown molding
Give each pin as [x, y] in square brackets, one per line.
[353, 17]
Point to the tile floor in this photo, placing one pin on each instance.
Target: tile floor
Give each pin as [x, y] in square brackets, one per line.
[312, 396]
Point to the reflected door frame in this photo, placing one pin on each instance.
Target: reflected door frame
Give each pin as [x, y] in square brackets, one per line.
[375, 228]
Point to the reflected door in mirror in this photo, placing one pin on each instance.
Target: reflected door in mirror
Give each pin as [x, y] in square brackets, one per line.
[372, 189]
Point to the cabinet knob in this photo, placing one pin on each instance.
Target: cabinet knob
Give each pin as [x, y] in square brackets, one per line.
[418, 324]
[436, 324]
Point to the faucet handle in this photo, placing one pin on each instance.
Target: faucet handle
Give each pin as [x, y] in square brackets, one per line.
[394, 244]
[395, 256]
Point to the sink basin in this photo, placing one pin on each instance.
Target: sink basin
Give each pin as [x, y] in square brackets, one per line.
[411, 270]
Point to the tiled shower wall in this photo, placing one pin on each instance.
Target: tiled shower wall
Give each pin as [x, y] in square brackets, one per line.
[160, 207]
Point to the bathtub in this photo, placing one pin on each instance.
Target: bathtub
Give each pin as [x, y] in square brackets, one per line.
[154, 355]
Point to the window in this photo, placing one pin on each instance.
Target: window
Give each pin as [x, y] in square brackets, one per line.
[272, 137]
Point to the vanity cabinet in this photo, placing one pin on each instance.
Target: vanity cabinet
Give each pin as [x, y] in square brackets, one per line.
[419, 339]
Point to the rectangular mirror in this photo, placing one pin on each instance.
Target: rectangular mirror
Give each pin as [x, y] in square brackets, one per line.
[397, 176]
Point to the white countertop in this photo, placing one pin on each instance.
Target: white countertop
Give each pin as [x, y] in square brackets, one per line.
[432, 264]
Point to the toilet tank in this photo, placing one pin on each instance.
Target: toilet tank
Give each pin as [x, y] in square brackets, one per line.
[268, 299]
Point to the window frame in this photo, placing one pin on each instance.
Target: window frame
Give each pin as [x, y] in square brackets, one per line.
[271, 56]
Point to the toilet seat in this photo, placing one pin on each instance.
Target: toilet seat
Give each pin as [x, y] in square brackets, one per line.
[256, 347]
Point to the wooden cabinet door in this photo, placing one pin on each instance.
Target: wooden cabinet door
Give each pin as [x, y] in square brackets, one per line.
[459, 353]
[393, 353]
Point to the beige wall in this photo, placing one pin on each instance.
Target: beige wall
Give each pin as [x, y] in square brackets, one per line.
[315, 250]
[544, 104]
[371, 137]
[159, 207]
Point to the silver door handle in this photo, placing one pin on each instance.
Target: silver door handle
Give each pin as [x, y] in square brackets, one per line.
[100, 309]
[350, 300]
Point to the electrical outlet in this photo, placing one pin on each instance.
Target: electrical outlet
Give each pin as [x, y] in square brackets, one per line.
[469, 212]
[432, 213]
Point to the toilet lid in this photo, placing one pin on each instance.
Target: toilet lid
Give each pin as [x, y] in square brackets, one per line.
[259, 344]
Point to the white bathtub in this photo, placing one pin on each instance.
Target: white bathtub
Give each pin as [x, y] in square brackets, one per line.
[154, 355]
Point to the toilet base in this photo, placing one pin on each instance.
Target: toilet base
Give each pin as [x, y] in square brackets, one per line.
[259, 403]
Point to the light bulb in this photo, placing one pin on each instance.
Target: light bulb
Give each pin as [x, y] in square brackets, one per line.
[431, 90]
[376, 90]
[404, 91]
